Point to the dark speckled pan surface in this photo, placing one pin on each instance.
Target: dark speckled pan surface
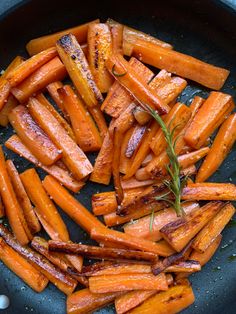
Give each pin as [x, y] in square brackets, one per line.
[204, 29]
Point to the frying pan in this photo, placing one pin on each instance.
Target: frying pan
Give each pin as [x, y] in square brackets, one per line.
[205, 29]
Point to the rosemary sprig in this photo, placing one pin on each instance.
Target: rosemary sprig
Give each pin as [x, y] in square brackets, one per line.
[117, 74]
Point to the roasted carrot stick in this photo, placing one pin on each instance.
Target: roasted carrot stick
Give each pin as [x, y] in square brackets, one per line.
[99, 49]
[38, 44]
[13, 209]
[26, 68]
[141, 228]
[73, 156]
[220, 148]
[180, 64]
[62, 175]
[209, 191]
[52, 89]
[10, 104]
[135, 140]
[70, 205]
[124, 121]
[14, 63]
[5, 88]
[22, 268]
[2, 209]
[174, 300]
[84, 301]
[179, 232]
[86, 132]
[33, 136]
[23, 198]
[117, 37]
[132, 183]
[61, 280]
[211, 114]
[214, 227]
[125, 162]
[51, 71]
[99, 119]
[127, 282]
[104, 203]
[134, 83]
[76, 64]
[43, 100]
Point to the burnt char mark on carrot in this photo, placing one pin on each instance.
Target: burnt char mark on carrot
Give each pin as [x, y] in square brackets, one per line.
[65, 42]
[96, 52]
[134, 142]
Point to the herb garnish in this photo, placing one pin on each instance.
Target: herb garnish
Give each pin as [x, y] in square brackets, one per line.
[115, 73]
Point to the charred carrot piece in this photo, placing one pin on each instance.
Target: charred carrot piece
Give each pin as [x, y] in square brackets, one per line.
[125, 162]
[174, 300]
[86, 132]
[5, 88]
[61, 280]
[33, 136]
[52, 89]
[70, 205]
[211, 114]
[141, 228]
[135, 140]
[117, 37]
[84, 301]
[73, 156]
[10, 104]
[183, 65]
[132, 183]
[99, 49]
[62, 175]
[220, 148]
[209, 191]
[43, 100]
[2, 209]
[134, 83]
[99, 119]
[104, 203]
[23, 198]
[76, 64]
[214, 227]
[22, 268]
[13, 209]
[53, 70]
[125, 121]
[26, 68]
[117, 138]
[36, 45]
[179, 232]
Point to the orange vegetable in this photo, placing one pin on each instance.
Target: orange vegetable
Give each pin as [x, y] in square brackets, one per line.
[76, 64]
[209, 192]
[38, 44]
[15, 63]
[52, 89]
[179, 232]
[22, 268]
[104, 203]
[70, 205]
[73, 156]
[220, 148]
[51, 71]
[5, 88]
[99, 49]
[211, 114]
[86, 132]
[33, 136]
[134, 83]
[2, 209]
[62, 175]
[99, 119]
[135, 140]
[132, 183]
[13, 209]
[124, 161]
[117, 37]
[23, 198]
[127, 282]
[189, 159]
[180, 64]
[10, 104]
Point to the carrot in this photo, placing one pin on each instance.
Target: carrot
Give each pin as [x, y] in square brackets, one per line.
[22, 268]
[124, 161]
[99, 119]
[209, 191]
[118, 98]
[26, 68]
[52, 89]
[10, 104]
[36, 45]
[99, 49]
[117, 37]
[189, 159]
[13, 209]
[134, 83]
[214, 227]
[62, 175]
[70, 205]
[14, 63]
[141, 228]
[174, 300]
[86, 132]
[117, 138]
[73, 156]
[84, 301]
[51, 71]
[61, 280]
[135, 140]
[220, 148]
[43, 100]
[183, 65]
[22, 197]
[104, 203]
[127, 282]
[124, 121]
[43, 203]
[179, 232]
[211, 114]
[2, 209]
[76, 64]
[33, 136]
[5, 88]
[132, 183]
